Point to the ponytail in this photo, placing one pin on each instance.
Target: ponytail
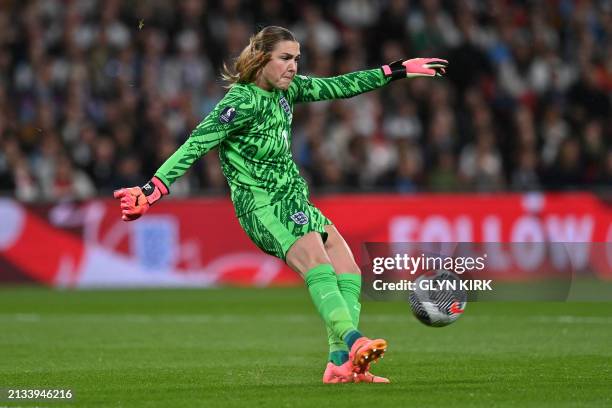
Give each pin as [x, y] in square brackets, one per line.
[255, 55]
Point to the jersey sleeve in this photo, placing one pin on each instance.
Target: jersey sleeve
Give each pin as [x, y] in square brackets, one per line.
[309, 89]
[231, 116]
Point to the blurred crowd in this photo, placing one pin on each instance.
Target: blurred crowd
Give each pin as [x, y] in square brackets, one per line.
[95, 95]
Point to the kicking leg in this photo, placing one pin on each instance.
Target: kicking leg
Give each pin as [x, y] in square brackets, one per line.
[308, 257]
[349, 284]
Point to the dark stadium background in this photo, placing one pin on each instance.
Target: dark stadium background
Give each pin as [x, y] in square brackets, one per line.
[96, 94]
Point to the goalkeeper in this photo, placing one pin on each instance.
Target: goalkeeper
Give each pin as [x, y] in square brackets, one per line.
[251, 126]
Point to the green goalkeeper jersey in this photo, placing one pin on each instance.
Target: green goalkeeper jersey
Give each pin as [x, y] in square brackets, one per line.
[252, 128]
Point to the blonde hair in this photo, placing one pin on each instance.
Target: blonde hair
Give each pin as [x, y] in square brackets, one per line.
[255, 55]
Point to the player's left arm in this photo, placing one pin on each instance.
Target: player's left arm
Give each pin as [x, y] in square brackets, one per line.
[231, 115]
[310, 89]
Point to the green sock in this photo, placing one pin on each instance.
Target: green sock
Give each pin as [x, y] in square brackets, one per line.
[338, 352]
[325, 294]
[350, 289]
[339, 357]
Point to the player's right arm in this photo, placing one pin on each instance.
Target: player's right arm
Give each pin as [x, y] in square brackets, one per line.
[311, 89]
[231, 115]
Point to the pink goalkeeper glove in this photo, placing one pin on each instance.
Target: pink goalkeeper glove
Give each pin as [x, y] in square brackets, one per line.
[416, 67]
[135, 201]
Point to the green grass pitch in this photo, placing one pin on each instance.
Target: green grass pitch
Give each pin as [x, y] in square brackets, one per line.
[267, 348]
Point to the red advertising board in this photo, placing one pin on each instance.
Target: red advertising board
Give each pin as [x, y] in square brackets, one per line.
[198, 242]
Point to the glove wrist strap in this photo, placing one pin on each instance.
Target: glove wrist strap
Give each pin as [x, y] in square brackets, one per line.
[394, 70]
[154, 190]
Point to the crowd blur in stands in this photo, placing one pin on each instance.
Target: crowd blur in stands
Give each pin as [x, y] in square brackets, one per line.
[95, 95]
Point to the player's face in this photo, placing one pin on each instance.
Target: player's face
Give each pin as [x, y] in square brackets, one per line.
[282, 67]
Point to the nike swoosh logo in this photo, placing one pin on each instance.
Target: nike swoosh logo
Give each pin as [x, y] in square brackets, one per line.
[326, 295]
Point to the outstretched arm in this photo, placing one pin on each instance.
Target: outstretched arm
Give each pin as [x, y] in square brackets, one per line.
[230, 116]
[308, 89]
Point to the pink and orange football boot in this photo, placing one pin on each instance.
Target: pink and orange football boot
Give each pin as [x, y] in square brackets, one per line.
[344, 374]
[339, 374]
[366, 351]
[370, 378]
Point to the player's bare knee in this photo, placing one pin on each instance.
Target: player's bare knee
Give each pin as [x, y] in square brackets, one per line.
[306, 253]
[304, 262]
[346, 267]
[339, 252]
[354, 269]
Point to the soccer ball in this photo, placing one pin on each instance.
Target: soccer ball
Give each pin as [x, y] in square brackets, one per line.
[437, 299]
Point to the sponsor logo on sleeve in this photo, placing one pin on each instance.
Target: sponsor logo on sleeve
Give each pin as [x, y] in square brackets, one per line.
[227, 114]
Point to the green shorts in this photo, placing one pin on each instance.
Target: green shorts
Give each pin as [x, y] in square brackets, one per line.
[276, 227]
